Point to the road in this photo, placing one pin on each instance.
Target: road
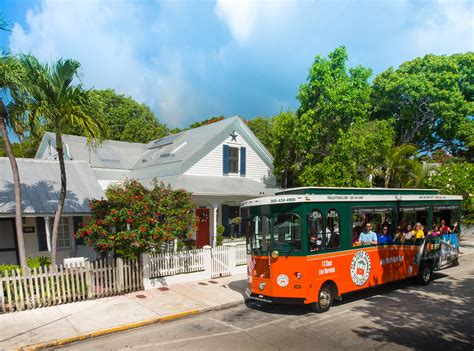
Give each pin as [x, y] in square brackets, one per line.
[398, 316]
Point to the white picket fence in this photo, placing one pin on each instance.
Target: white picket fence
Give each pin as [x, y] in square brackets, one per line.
[241, 254]
[45, 286]
[171, 263]
[221, 262]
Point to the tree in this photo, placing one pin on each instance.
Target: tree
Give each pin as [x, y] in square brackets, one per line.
[12, 80]
[206, 122]
[123, 118]
[53, 98]
[286, 163]
[456, 178]
[354, 158]
[142, 219]
[431, 100]
[263, 127]
[332, 99]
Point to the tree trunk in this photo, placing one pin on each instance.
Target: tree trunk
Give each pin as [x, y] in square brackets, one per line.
[62, 195]
[16, 185]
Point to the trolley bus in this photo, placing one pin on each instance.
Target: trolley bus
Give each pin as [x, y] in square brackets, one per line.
[304, 249]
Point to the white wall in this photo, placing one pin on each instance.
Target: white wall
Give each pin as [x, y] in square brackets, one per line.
[211, 164]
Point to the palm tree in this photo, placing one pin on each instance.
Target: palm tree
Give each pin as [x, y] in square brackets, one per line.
[12, 81]
[401, 167]
[55, 98]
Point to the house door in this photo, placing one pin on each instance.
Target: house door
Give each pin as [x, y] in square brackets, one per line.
[8, 250]
[202, 236]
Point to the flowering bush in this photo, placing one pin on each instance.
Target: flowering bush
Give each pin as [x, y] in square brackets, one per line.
[134, 220]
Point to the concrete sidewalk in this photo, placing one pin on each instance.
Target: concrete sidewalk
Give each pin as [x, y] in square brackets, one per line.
[19, 329]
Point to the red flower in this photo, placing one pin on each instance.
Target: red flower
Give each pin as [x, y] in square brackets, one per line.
[113, 211]
[129, 220]
[143, 229]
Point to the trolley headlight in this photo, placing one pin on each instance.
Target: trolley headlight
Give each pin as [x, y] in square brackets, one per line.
[275, 254]
[261, 285]
[283, 280]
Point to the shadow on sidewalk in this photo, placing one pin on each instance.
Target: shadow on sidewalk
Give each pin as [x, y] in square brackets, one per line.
[239, 286]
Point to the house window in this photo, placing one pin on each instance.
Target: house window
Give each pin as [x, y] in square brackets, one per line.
[233, 160]
[64, 234]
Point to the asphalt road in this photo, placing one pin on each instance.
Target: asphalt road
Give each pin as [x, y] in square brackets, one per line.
[393, 317]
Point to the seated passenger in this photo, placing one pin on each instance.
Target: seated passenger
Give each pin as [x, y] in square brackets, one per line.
[315, 242]
[409, 236]
[355, 236]
[367, 237]
[435, 231]
[384, 238]
[419, 233]
[398, 238]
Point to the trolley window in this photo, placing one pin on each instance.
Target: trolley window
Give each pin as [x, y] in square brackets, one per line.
[333, 222]
[287, 233]
[315, 231]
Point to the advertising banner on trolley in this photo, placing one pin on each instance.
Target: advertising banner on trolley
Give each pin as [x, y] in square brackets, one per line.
[444, 250]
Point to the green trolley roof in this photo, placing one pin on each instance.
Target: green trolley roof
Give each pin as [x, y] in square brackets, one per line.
[356, 191]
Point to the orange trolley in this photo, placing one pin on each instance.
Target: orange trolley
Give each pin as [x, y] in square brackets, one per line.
[305, 244]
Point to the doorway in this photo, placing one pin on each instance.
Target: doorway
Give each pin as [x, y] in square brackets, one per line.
[203, 233]
[8, 247]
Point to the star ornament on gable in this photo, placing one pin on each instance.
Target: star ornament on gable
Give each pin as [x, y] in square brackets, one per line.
[233, 136]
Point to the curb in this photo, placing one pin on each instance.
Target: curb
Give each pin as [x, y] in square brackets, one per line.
[123, 327]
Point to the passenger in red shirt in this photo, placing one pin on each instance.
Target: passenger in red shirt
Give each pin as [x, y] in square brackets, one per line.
[445, 229]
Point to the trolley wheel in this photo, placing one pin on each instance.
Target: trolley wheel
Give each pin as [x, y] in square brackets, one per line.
[325, 298]
[426, 274]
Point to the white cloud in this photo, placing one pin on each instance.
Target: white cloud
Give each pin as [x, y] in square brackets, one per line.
[110, 41]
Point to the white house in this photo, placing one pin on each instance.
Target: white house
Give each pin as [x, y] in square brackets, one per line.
[221, 164]
[40, 185]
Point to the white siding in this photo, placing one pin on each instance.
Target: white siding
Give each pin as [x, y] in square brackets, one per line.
[211, 164]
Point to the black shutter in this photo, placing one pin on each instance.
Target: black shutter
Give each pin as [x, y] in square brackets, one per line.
[41, 234]
[77, 221]
[243, 161]
[225, 160]
[225, 219]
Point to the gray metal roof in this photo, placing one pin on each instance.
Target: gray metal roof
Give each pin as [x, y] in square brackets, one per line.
[177, 147]
[111, 154]
[40, 186]
[218, 186]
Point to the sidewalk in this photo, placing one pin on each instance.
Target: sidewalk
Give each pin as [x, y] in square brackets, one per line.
[70, 320]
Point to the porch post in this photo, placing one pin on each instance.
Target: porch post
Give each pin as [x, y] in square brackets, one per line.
[48, 233]
[214, 223]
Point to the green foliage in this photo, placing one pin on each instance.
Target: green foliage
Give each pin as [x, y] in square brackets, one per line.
[40, 261]
[431, 100]
[33, 262]
[456, 178]
[357, 153]
[124, 119]
[219, 239]
[142, 219]
[332, 99]
[220, 229]
[263, 128]
[286, 165]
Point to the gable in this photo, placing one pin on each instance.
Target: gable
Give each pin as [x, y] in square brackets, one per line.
[255, 166]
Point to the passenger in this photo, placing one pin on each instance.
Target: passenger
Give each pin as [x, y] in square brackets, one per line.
[398, 238]
[445, 229]
[384, 238]
[367, 237]
[355, 235]
[435, 231]
[313, 243]
[409, 236]
[419, 234]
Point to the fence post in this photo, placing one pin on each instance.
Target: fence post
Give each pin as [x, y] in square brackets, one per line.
[207, 261]
[232, 257]
[146, 270]
[120, 278]
[89, 283]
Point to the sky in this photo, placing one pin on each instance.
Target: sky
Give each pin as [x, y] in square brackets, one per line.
[190, 60]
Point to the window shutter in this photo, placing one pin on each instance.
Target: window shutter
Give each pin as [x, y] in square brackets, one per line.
[41, 234]
[243, 162]
[225, 160]
[76, 226]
